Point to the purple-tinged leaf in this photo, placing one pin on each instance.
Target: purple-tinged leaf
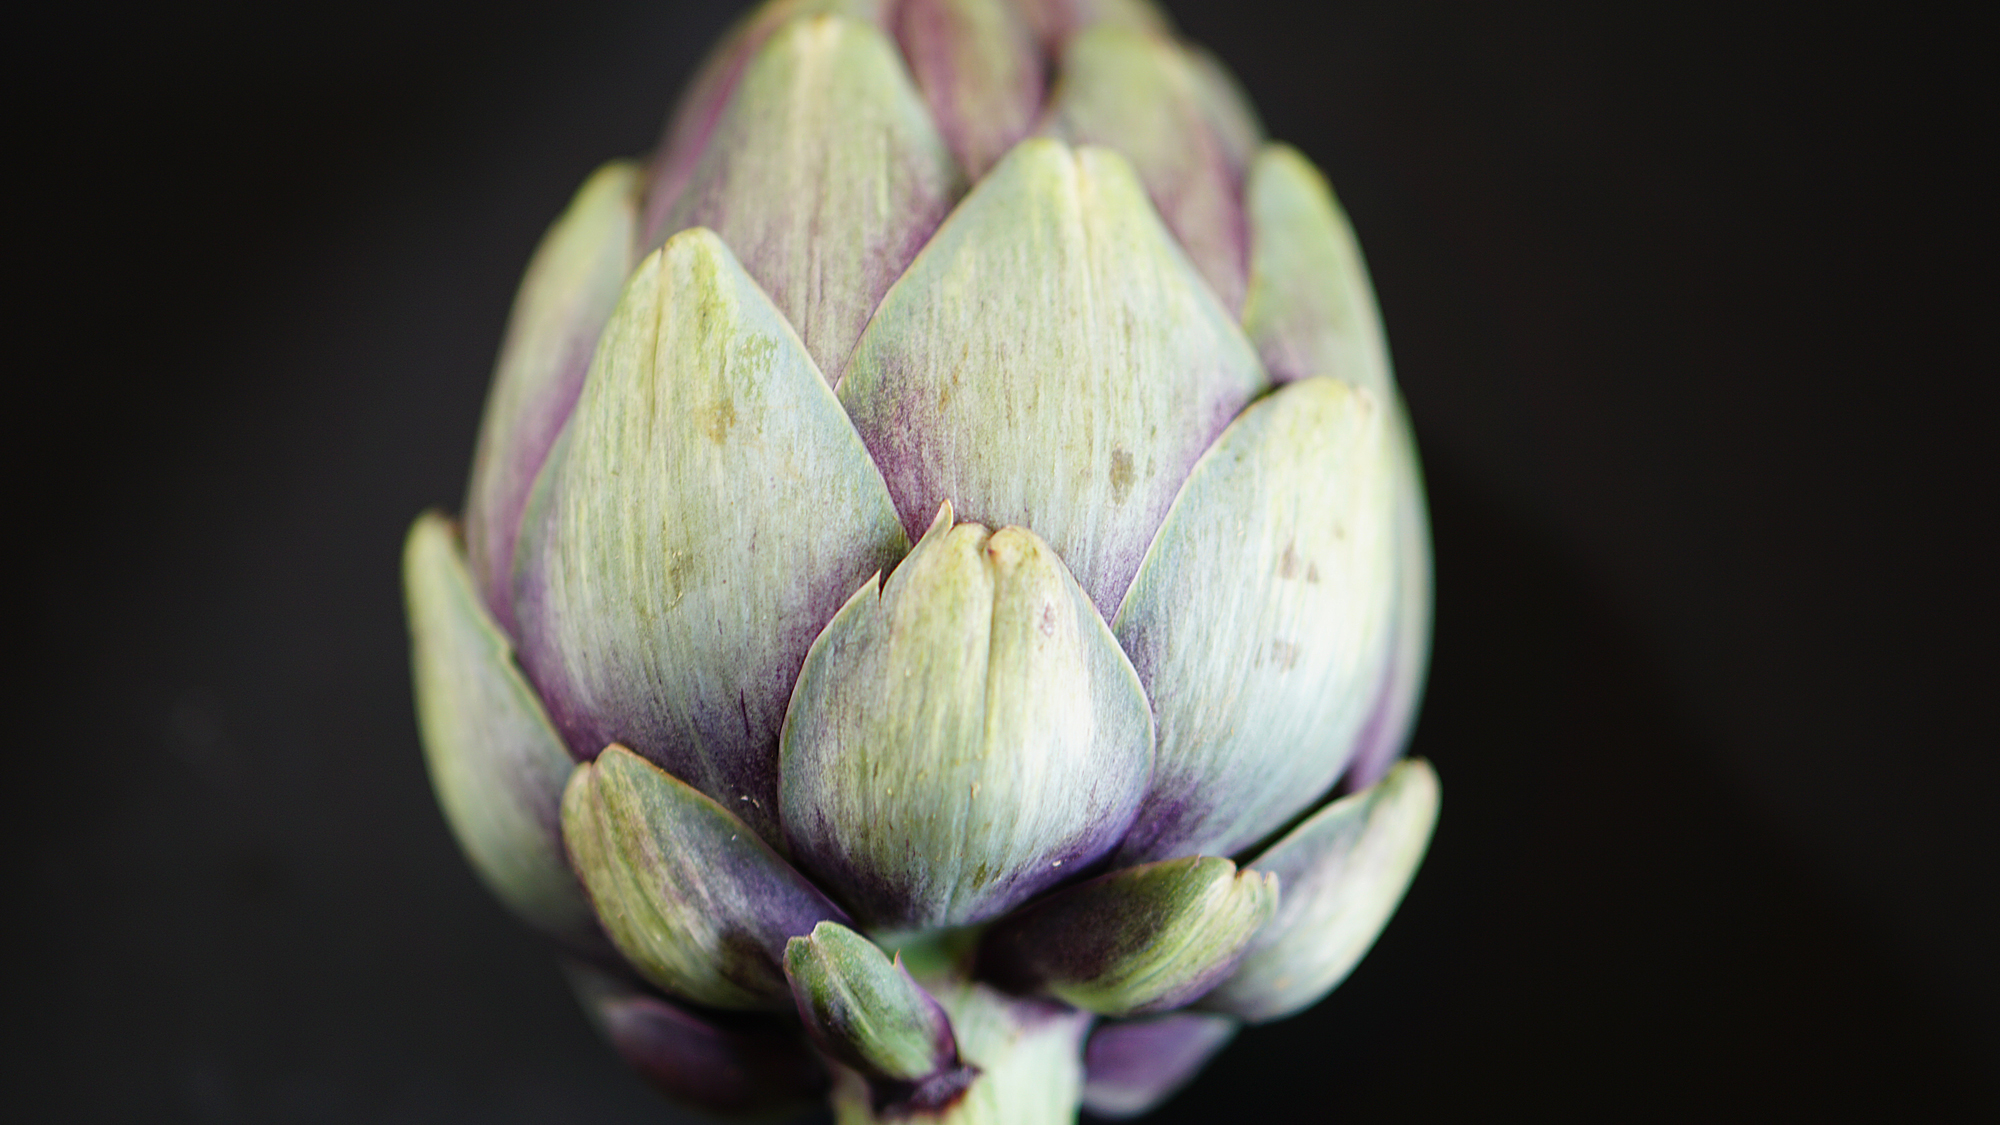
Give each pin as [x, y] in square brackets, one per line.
[1260, 622]
[694, 900]
[1344, 871]
[866, 1012]
[825, 176]
[701, 105]
[1387, 731]
[1311, 309]
[1139, 940]
[735, 1066]
[707, 510]
[571, 286]
[1145, 96]
[979, 68]
[496, 763]
[1131, 1066]
[964, 736]
[1051, 361]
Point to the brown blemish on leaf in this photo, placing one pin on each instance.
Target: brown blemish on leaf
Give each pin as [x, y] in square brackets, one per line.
[1122, 475]
[1288, 563]
[680, 575]
[719, 419]
[1284, 654]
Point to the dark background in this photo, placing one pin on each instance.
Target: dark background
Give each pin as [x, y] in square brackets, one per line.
[1683, 298]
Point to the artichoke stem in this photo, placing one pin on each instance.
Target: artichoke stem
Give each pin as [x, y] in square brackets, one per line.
[1028, 1055]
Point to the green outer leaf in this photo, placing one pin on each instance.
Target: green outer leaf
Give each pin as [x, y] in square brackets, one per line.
[1141, 94]
[1344, 870]
[964, 738]
[1051, 360]
[692, 898]
[708, 510]
[1029, 1053]
[863, 1008]
[825, 175]
[570, 288]
[1141, 939]
[496, 763]
[1311, 309]
[1260, 622]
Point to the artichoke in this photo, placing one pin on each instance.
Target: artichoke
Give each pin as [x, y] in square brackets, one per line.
[944, 583]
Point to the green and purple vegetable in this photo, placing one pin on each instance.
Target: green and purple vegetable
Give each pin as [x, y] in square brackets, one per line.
[945, 581]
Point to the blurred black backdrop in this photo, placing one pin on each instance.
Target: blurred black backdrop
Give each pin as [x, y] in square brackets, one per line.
[1691, 303]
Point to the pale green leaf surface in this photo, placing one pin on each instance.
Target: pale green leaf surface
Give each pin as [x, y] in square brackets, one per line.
[496, 763]
[864, 1009]
[1144, 96]
[1050, 361]
[700, 106]
[824, 176]
[687, 892]
[1388, 728]
[1344, 872]
[569, 291]
[1260, 621]
[965, 736]
[1311, 308]
[708, 509]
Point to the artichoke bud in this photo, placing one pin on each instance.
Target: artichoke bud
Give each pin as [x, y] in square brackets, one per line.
[1142, 939]
[952, 498]
[963, 737]
[692, 898]
[865, 1010]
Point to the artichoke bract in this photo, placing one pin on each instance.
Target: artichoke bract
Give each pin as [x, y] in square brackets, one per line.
[945, 582]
